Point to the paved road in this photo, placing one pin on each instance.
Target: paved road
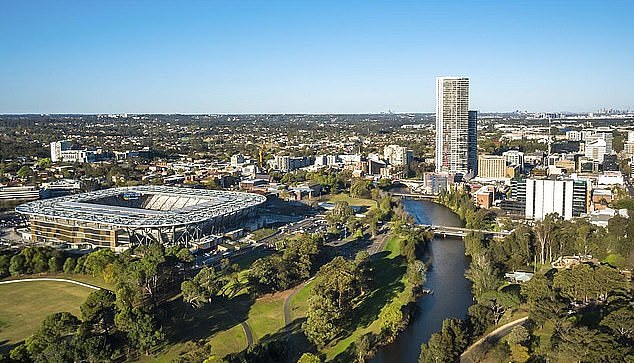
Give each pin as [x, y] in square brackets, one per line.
[52, 279]
[480, 347]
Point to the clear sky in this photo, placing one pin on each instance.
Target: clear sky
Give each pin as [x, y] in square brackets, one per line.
[312, 56]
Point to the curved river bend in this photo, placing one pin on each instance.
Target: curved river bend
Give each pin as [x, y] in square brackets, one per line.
[452, 291]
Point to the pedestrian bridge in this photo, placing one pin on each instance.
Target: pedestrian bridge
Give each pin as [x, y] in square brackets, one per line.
[418, 196]
[448, 231]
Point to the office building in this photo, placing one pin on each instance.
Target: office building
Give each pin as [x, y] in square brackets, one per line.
[456, 132]
[567, 198]
[491, 167]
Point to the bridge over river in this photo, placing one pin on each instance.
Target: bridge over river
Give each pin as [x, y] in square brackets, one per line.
[448, 231]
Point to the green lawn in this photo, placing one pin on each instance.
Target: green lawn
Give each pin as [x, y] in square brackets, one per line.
[24, 305]
[299, 302]
[360, 202]
[97, 281]
[266, 316]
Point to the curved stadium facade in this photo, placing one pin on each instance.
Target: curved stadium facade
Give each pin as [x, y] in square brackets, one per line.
[122, 217]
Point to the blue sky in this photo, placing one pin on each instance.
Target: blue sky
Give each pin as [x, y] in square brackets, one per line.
[312, 56]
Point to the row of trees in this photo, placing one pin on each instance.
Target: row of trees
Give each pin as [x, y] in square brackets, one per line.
[300, 257]
[460, 202]
[339, 285]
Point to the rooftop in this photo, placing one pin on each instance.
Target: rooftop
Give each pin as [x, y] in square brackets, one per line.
[143, 206]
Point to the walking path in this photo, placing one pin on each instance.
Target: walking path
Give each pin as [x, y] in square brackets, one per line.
[51, 279]
[248, 333]
[287, 301]
[480, 346]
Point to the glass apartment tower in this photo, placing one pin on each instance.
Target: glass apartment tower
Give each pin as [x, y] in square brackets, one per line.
[456, 133]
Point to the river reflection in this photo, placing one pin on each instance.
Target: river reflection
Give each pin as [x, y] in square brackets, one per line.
[452, 291]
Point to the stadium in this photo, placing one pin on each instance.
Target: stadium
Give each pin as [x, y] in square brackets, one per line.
[122, 217]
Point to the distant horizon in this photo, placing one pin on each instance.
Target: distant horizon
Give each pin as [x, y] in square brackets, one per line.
[309, 57]
[293, 113]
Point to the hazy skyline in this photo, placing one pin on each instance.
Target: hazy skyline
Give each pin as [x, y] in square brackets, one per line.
[312, 56]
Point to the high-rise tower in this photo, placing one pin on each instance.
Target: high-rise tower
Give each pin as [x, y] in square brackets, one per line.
[456, 134]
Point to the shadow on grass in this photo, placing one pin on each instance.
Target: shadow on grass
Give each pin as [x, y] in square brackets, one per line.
[182, 322]
[387, 285]
[286, 345]
[5, 346]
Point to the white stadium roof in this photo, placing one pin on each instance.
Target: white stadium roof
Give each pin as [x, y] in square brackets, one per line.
[166, 206]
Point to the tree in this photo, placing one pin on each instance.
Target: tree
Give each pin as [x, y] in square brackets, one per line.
[483, 276]
[544, 231]
[17, 265]
[54, 264]
[479, 319]
[446, 345]
[202, 287]
[25, 172]
[364, 346]
[140, 328]
[360, 188]
[5, 262]
[53, 340]
[69, 265]
[99, 309]
[621, 321]
[330, 304]
[97, 261]
[309, 358]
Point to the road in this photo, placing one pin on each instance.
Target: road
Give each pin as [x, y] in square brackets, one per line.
[479, 348]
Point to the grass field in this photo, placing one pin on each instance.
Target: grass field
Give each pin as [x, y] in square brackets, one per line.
[299, 302]
[266, 316]
[24, 305]
[393, 290]
[360, 202]
[97, 281]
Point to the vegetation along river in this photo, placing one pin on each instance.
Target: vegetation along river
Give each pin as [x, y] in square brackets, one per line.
[451, 290]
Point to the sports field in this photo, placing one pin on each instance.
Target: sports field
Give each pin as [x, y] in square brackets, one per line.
[24, 305]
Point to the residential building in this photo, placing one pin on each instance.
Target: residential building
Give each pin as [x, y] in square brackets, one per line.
[573, 135]
[57, 147]
[514, 157]
[237, 160]
[454, 128]
[484, 197]
[397, 155]
[596, 149]
[491, 167]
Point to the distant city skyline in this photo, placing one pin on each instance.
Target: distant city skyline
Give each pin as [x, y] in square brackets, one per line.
[312, 57]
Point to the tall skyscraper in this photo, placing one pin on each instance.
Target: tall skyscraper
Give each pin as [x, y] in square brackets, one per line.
[456, 131]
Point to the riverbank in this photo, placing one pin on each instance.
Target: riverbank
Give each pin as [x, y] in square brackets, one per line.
[452, 291]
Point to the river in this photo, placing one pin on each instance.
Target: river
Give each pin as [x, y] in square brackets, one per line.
[452, 291]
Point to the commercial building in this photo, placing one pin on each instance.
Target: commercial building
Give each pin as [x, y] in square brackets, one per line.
[456, 133]
[491, 167]
[568, 198]
[397, 155]
[119, 218]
